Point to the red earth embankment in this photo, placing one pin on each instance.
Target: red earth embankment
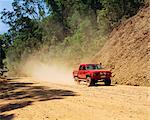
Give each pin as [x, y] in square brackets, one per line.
[127, 51]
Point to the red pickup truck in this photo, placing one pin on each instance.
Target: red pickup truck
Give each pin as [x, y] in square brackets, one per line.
[91, 74]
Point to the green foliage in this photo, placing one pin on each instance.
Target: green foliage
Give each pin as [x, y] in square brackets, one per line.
[84, 43]
[73, 31]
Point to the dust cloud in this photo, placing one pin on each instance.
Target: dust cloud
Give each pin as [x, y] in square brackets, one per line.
[54, 73]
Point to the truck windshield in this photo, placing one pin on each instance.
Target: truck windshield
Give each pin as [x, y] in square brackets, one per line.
[93, 67]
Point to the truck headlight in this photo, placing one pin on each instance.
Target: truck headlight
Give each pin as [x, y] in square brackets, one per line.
[94, 74]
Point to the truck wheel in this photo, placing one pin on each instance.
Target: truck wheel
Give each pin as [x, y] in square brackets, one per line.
[89, 81]
[76, 79]
[93, 82]
[107, 81]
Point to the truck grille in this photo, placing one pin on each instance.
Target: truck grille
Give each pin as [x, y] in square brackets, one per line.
[102, 73]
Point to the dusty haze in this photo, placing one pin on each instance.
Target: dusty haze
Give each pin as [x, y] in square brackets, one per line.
[44, 71]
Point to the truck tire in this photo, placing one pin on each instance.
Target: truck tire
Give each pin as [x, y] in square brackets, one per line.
[107, 81]
[76, 79]
[89, 81]
[93, 82]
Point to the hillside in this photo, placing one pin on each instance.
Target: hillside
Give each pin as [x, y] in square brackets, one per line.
[127, 50]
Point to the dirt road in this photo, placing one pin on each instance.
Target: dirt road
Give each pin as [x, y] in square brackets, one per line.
[28, 99]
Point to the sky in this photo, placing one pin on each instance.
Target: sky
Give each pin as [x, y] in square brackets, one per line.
[4, 4]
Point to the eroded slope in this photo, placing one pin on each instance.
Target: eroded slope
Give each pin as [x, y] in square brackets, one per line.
[127, 51]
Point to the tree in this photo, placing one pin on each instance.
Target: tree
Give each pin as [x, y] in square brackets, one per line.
[68, 24]
[2, 53]
[25, 33]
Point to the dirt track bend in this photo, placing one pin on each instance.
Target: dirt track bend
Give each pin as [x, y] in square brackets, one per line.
[27, 99]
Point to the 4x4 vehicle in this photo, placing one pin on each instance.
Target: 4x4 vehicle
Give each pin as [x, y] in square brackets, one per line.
[91, 74]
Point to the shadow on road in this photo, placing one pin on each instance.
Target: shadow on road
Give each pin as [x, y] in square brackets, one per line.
[27, 93]
[6, 117]
[97, 85]
[13, 106]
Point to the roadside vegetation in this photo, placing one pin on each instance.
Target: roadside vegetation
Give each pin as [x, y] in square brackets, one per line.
[69, 31]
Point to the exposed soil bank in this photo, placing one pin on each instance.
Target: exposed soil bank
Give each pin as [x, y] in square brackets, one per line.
[127, 51]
